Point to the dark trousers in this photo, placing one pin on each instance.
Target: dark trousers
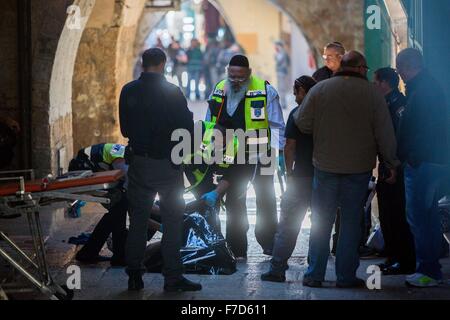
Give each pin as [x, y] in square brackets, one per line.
[147, 177]
[112, 222]
[294, 204]
[266, 210]
[398, 239]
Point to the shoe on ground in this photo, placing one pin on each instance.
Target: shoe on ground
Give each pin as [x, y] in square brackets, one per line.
[419, 280]
[182, 285]
[357, 283]
[241, 259]
[273, 277]
[135, 282]
[396, 270]
[91, 259]
[308, 282]
[268, 252]
[385, 264]
[367, 253]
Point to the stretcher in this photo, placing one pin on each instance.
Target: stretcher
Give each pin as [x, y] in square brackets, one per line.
[21, 197]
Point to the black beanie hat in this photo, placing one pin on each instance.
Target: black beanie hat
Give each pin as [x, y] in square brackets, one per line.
[305, 82]
[239, 61]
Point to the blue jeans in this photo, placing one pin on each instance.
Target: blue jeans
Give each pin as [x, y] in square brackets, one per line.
[294, 204]
[423, 186]
[331, 191]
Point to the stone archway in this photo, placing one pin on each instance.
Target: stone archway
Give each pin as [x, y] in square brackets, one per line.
[54, 45]
[77, 73]
[323, 21]
[103, 66]
[116, 31]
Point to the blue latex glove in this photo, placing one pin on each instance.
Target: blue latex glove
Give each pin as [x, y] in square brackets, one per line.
[75, 210]
[281, 164]
[211, 198]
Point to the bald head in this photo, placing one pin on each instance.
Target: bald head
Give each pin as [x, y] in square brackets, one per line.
[354, 61]
[409, 63]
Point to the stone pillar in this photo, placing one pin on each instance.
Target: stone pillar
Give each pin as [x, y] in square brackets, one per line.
[104, 64]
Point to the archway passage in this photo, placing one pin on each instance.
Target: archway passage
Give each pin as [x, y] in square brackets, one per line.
[114, 38]
[78, 68]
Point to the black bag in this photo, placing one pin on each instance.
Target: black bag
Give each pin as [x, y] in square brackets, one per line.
[204, 249]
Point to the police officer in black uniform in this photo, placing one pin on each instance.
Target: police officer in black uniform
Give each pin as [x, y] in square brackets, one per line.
[398, 240]
[151, 109]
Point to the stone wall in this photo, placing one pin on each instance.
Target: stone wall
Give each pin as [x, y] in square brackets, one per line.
[104, 64]
[8, 60]
[48, 19]
[9, 96]
[323, 21]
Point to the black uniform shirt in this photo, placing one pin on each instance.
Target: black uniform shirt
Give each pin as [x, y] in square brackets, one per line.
[303, 148]
[150, 110]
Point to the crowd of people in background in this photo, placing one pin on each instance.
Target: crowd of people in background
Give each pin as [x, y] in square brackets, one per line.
[207, 66]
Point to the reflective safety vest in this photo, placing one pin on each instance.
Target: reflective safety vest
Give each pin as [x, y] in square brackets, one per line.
[207, 153]
[256, 115]
[103, 155]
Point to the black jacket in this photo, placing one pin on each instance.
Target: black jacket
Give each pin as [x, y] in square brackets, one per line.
[322, 74]
[396, 102]
[150, 110]
[424, 134]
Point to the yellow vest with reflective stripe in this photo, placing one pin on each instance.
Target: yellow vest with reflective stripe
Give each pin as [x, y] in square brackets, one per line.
[205, 152]
[256, 96]
[256, 115]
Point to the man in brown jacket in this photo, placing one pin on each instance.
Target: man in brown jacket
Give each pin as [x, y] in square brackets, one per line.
[350, 124]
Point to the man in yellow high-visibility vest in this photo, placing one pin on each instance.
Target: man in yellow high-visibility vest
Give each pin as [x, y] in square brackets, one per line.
[245, 102]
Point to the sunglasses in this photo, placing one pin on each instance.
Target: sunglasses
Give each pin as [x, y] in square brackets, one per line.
[237, 80]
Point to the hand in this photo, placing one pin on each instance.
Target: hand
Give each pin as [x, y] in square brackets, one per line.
[392, 177]
[211, 198]
[281, 164]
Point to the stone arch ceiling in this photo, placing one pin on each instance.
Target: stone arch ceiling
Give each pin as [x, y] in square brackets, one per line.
[323, 21]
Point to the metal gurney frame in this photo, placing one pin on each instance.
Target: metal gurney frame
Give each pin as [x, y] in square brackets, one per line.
[29, 203]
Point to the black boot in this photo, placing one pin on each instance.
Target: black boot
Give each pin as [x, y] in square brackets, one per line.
[135, 282]
[273, 277]
[82, 257]
[180, 285]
